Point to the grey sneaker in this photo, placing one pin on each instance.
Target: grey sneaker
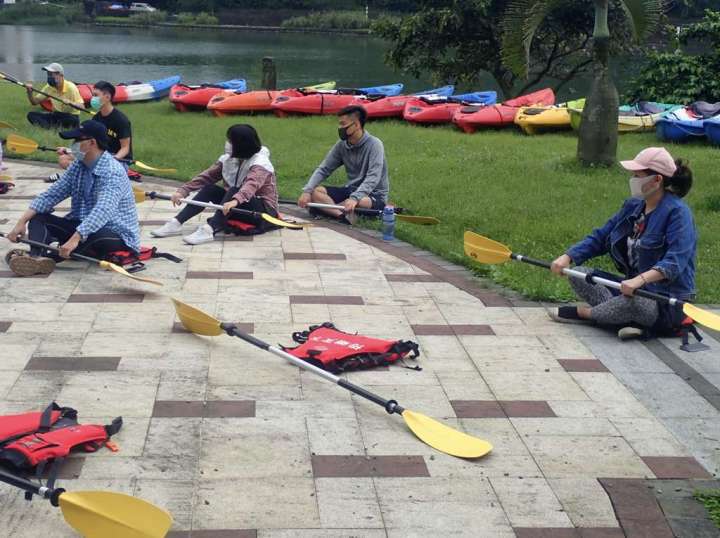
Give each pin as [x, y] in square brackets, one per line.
[630, 333]
[23, 265]
[554, 315]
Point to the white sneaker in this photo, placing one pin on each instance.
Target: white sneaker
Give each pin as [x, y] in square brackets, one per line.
[171, 227]
[204, 234]
[630, 333]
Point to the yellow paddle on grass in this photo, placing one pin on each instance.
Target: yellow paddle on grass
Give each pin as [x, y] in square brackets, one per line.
[101, 514]
[487, 251]
[6, 125]
[428, 430]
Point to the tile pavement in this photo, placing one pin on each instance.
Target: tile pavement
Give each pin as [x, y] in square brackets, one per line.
[236, 443]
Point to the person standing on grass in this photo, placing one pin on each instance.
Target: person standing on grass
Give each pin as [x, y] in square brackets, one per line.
[63, 115]
[103, 217]
[652, 240]
[363, 156]
[248, 182]
[119, 130]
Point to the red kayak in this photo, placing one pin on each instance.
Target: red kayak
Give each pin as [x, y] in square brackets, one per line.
[86, 92]
[186, 97]
[316, 103]
[384, 107]
[470, 118]
[419, 110]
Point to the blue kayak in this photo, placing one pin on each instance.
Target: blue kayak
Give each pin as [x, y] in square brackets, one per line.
[482, 98]
[679, 126]
[445, 91]
[389, 90]
[712, 130]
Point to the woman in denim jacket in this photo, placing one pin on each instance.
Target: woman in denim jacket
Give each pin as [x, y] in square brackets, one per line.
[652, 241]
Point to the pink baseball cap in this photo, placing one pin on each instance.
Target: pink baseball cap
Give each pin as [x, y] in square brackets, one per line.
[656, 159]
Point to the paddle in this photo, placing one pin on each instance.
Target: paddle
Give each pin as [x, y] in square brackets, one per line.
[9, 78]
[376, 213]
[6, 125]
[24, 146]
[141, 195]
[428, 430]
[101, 514]
[102, 263]
[487, 251]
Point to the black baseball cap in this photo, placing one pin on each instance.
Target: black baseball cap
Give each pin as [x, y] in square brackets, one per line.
[88, 129]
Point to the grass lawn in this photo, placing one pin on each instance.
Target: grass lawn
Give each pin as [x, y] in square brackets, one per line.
[711, 500]
[527, 192]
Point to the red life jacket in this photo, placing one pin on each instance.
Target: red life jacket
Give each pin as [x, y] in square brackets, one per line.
[238, 227]
[338, 351]
[135, 261]
[31, 439]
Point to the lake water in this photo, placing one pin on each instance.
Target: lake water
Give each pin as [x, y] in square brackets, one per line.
[91, 53]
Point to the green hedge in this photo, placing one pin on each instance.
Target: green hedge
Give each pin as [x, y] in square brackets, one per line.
[330, 20]
[30, 13]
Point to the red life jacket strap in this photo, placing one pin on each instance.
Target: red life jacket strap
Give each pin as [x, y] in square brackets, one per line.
[13, 427]
[135, 260]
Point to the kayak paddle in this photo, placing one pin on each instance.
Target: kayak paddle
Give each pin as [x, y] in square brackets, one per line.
[365, 212]
[428, 430]
[13, 80]
[108, 266]
[25, 146]
[101, 514]
[141, 196]
[6, 125]
[485, 250]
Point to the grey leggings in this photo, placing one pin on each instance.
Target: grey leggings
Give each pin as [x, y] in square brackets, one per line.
[611, 308]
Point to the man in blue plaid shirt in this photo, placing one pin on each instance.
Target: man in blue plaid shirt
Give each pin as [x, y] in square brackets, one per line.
[103, 217]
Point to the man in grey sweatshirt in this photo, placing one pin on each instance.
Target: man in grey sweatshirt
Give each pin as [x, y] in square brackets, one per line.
[363, 156]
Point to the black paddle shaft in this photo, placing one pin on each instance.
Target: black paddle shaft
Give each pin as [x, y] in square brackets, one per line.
[244, 212]
[16, 81]
[48, 247]
[590, 278]
[32, 488]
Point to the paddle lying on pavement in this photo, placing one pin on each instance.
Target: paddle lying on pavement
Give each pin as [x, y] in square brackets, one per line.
[6, 125]
[101, 514]
[364, 212]
[102, 263]
[428, 430]
[487, 251]
[13, 80]
[25, 146]
[141, 196]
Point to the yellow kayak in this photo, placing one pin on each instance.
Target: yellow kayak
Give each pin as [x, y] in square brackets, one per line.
[533, 120]
[629, 120]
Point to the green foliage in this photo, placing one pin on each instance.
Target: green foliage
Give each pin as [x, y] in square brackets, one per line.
[692, 8]
[31, 13]
[680, 76]
[330, 20]
[711, 500]
[148, 18]
[200, 18]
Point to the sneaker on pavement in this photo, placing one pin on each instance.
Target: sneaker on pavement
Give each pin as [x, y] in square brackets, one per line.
[630, 333]
[171, 227]
[204, 234]
[15, 252]
[23, 265]
[563, 314]
[52, 178]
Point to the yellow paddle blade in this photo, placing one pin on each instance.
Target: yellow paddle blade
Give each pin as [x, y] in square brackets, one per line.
[703, 317]
[149, 168]
[284, 224]
[322, 86]
[113, 267]
[196, 321]
[104, 514]
[6, 125]
[485, 250]
[139, 195]
[444, 438]
[415, 219]
[20, 144]
[5, 178]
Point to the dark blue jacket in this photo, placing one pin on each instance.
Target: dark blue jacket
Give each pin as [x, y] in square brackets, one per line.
[668, 244]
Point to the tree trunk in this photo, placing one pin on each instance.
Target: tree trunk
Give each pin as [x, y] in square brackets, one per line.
[597, 137]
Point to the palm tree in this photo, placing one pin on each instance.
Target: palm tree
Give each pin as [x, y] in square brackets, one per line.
[597, 139]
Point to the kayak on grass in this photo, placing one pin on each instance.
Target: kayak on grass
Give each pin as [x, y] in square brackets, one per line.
[388, 107]
[428, 109]
[686, 123]
[197, 97]
[231, 102]
[637, 117]
[533, 120]
[470, 118]
[134, 91]
[328, 102]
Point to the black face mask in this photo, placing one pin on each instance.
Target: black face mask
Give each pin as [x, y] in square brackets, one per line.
[342, 133]
[51, 80]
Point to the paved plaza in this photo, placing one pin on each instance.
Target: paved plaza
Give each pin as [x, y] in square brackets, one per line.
[592, 438]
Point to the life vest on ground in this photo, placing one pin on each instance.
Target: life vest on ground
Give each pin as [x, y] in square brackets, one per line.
[5, 187]
[134, 176]
[239, 227]
[337, 351]
[127, 257]
[33, 439]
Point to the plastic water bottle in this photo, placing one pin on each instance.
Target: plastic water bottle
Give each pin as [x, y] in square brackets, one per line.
[388, 223]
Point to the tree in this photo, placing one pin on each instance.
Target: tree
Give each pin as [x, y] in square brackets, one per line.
[597, 138]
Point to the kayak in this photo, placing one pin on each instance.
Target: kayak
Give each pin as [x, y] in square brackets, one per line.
[712, 130]
[231, 102]
[186, 97]
[470, 118]
[330, 102]
[388, 107]
[533, 120]
[134, 91]
[686, 123]
[639, 117]
[436, 109]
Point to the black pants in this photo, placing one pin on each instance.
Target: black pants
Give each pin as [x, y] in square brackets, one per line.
[49, 120]
[217, 195]
[46, 228]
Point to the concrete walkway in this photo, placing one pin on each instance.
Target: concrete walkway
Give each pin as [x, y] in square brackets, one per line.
[236, 443]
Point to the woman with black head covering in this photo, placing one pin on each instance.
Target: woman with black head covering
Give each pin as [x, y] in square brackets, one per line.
[248, 182]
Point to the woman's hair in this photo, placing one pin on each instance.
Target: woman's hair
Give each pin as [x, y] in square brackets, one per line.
[244, 140]
[681, 181]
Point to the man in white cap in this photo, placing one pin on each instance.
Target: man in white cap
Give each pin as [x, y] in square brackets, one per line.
[63, 115]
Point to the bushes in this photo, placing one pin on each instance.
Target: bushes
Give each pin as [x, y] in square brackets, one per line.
[330, 20]
[199, 18]
[148, 18]
[27, 13]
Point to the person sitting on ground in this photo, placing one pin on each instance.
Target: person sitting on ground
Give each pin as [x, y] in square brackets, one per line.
[363, 156]
[652, 240]
[249, 183]
[118, 127]
[63, 115]
[103, 218]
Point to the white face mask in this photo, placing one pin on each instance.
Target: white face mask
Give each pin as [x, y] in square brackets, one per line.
[637, 184]
[228, 148]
